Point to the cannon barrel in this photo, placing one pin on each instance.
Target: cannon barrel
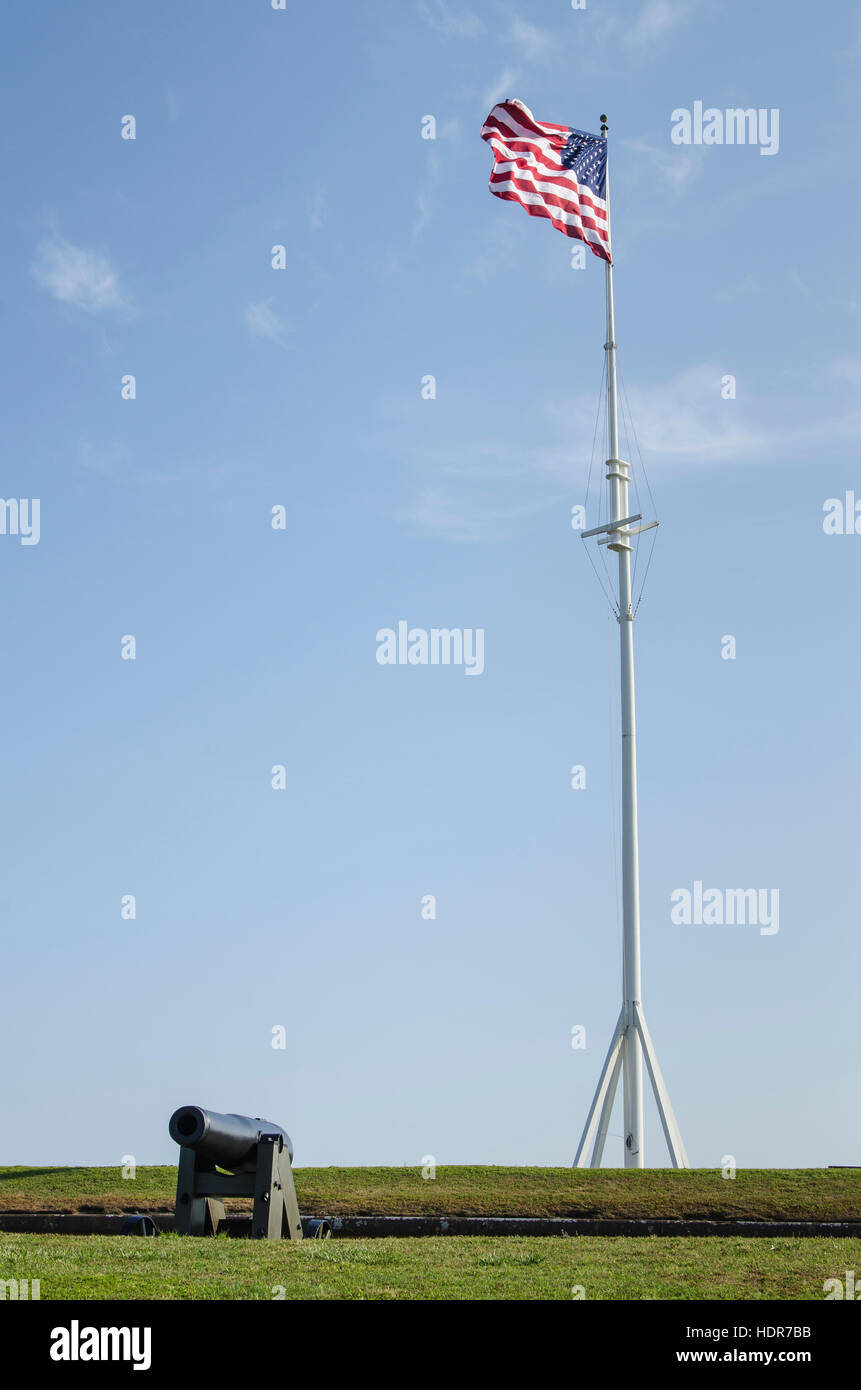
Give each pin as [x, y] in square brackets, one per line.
[227, 1140]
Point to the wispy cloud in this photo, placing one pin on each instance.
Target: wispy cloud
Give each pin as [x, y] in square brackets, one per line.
[108, 458]
[424, 197]
[77, 276]
[317, 208]
[475, 487]
[848, 369]
[437, 513]
[451, 128]
[472, 488]
[262, 320]
[440, 514]
[676, 166]
[656, 19]
[532, 44]
[423, 213]
[685, 423]
[500, 89]
[454, 24]
[112, 459]
[743, 288]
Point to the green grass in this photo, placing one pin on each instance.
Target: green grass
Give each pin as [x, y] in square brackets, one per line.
[800, 1194]
[444, 1267]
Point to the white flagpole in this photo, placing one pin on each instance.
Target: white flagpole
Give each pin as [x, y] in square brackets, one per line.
[631, 1034]
[618, 475]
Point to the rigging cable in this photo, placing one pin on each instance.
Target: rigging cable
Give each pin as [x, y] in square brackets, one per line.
[605, 589]
[627, 411]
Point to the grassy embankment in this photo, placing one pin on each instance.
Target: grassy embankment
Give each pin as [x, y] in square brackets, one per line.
[797, 1194]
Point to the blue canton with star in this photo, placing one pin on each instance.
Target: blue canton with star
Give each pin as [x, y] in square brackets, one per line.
[586, 156]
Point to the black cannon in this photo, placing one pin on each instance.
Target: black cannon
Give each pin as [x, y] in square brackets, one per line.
[228, 1141]
[258, 1156]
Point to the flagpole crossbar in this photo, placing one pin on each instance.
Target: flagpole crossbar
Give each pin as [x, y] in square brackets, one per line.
[622, 530]
[636, 531]
[610, 526]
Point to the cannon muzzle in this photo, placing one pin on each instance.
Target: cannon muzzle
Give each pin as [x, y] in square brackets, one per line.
[228, 1141]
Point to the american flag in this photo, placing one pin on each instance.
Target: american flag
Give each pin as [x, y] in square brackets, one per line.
[551, 170]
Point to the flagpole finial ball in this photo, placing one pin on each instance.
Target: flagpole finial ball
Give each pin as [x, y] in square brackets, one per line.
[603, 125]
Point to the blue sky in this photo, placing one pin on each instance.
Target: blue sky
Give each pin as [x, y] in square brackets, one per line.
[301, 387]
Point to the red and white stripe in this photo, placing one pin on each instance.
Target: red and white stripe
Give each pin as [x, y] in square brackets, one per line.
[527, 169]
